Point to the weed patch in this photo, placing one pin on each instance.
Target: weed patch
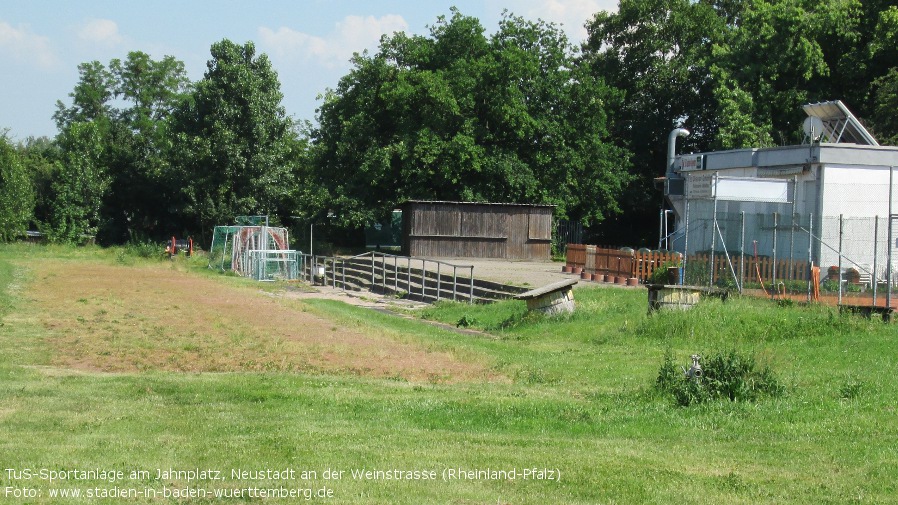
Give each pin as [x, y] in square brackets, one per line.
[730, 376]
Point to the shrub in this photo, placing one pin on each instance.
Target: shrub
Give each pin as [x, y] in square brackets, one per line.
[731, 376]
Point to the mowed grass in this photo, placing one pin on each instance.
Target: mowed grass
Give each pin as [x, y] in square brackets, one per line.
[573, 394]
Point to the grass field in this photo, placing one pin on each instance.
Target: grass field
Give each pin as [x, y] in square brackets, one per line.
[115, 363]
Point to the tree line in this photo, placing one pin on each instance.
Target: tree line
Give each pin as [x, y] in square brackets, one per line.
[520, 115]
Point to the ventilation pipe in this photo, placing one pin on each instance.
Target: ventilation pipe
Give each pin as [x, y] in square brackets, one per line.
[672, 147]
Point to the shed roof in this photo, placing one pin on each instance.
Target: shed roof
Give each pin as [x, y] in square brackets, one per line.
[447, 202]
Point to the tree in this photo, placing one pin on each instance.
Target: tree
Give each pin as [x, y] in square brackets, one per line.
[16, 193]
[658, 54]
[232, 139]
[133, 139]
[459, 116]
[81, 184]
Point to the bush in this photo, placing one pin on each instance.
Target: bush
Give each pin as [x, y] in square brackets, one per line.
[731, 376]
[659, 275]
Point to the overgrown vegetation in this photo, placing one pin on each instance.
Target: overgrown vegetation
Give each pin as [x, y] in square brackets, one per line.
[728, 376]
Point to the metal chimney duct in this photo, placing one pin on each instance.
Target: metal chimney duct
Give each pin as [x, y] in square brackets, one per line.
[672, 147]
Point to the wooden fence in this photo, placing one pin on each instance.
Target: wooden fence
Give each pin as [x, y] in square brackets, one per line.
[641, 265]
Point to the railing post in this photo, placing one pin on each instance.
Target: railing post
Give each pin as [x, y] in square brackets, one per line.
[439, 281]
[408, 271]
[454, 281]
[372, 271]
[343, 265]
[334, 271]
[472, 285]
[395, 274]
[423, 279]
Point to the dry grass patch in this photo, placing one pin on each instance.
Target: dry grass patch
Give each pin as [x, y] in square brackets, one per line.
[125, 319]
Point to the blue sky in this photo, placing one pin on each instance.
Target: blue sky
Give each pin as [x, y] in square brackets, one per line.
[309, 41]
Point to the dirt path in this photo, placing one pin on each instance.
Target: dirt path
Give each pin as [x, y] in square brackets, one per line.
[110, 318]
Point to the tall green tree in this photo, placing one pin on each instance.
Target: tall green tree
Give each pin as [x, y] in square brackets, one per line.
[232, 140]
[457, 115]
[130, 103]
[658, 54]
[81, 184]
[16, 192]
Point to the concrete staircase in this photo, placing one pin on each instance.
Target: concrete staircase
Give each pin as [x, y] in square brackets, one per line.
[410, 278]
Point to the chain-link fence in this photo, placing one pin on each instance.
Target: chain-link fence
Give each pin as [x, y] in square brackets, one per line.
[785, 250]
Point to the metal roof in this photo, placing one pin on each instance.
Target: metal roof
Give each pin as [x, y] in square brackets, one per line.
[839, 124]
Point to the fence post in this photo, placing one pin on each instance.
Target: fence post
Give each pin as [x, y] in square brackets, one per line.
[372, 271]
[395, 274]
[890, 245]
[439, 281]
[742, 255]
[685, 243]
[713, 233]
[840, 260]
[792, 229]
[343, 267]
[776, 217]
[454, 282]
[423, 279]
[334, 271]
[875, 255]
[810, 255]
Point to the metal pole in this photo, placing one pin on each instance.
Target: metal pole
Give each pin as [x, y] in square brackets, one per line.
[875, 255]
[311, 233]
[840, 260]
[776, 217]
[810, 254]
[685, 244]
[713, 234]
[472, 285]
[891, 245]
[792, 229]
[742, 256]
[661, 229]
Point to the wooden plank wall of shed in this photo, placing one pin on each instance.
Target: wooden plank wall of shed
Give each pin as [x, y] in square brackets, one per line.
[482, 231]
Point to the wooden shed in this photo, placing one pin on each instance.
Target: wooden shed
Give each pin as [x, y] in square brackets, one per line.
[477, 230]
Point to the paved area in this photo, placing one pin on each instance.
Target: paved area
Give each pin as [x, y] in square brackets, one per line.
[514, 272]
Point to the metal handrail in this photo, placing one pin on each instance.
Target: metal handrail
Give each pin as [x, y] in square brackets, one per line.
[313, 262]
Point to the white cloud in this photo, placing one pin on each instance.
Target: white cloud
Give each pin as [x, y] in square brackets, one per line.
[352, 34]
[23, 45]
[101, 31]
[571, 14]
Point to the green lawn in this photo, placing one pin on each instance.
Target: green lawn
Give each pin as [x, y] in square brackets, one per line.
[574, 395]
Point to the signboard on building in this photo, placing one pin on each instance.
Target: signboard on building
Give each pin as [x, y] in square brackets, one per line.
[705, 186]
[699, 186]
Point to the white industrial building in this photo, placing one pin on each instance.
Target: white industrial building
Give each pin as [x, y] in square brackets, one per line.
[768, 199]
